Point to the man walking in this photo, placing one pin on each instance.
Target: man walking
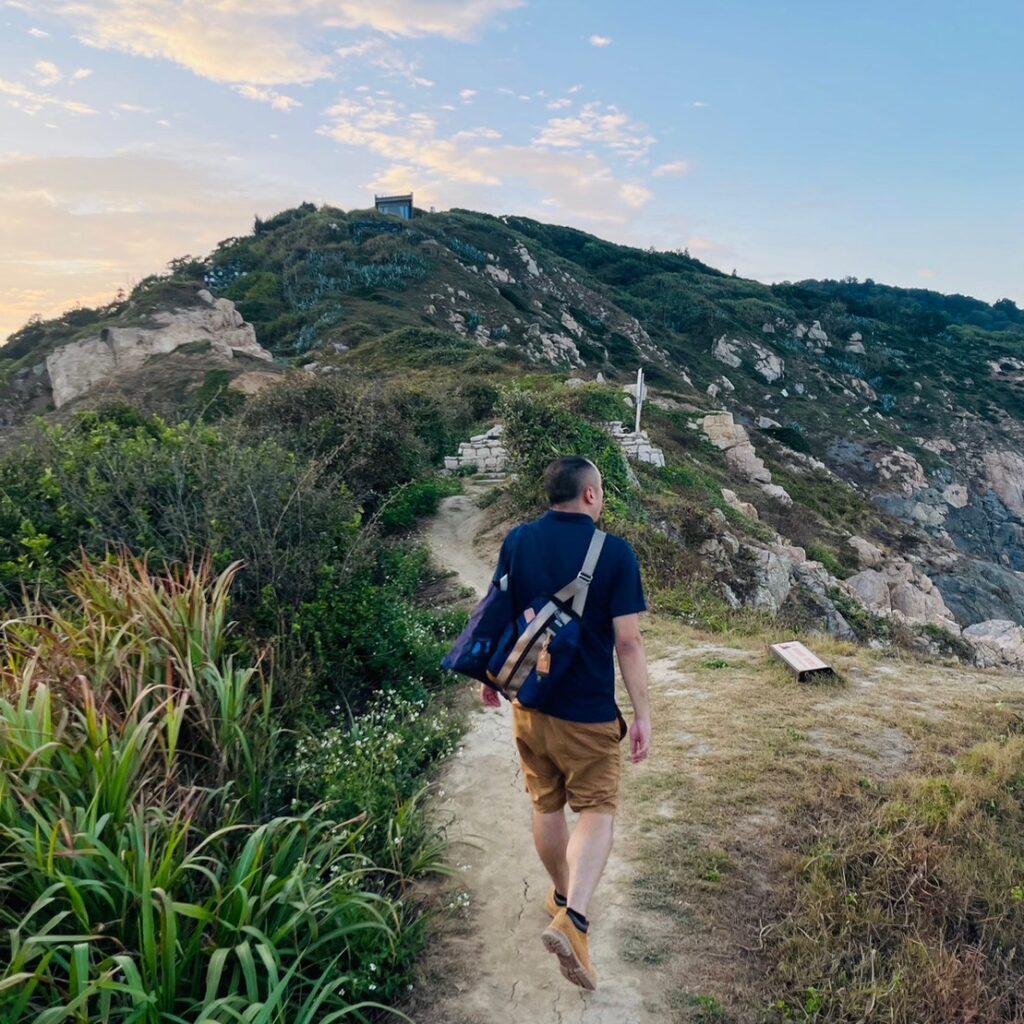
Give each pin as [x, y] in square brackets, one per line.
[569, 748]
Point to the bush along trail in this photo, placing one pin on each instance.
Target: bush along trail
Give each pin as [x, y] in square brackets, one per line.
[211, 767]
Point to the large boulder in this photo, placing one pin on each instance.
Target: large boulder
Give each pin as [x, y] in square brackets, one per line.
[872, 589]
[997, 642]
[78, 367]
[1004, 473]
[868, 555]
[731, 437]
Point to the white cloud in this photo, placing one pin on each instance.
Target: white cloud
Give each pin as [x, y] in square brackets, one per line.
[678, 167]
[698, 104]
[606, 126]
[273, 43]
[559, 104]
[462, 168]
[81, 73]
[133, 108]
[600, 41]
[164, 123]
[635, 195]
[38, 33]
[46, 72]
[386, 59]
[30, 102]
[467, 94]
[275, 99]
[574, 89]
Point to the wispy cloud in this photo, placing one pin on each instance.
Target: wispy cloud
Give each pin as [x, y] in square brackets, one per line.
[386, 59]
[559, 104]
[275, 99]
[674, 169]
[80, 73]
[30, 102]
[262, 44]
[597, 125]
[464, 166]
[133, 108]
[600, 41]
[467, 94]
[46, 72]
[38, 33]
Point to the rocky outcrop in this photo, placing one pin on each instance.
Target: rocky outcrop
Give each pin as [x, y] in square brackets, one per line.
[1004, 474]
[77, 368]
[901, 591]
[732, 438]
[997, 643]
[765, 362]
[869, 556]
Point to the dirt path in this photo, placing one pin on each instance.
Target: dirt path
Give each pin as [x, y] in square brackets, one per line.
[494, 967]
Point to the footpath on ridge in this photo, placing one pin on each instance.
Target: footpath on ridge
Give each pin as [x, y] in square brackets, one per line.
[493, 967]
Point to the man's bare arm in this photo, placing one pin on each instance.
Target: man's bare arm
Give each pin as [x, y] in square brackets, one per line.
[629, 646]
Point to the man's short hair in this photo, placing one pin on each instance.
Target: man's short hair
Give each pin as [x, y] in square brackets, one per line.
[565, 479]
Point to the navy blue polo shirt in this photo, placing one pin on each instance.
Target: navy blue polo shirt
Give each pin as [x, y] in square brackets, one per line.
[542, 557]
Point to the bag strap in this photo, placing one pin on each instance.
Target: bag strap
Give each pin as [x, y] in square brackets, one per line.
[578, 588]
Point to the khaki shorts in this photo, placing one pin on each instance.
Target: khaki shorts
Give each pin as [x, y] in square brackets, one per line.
[564, 761]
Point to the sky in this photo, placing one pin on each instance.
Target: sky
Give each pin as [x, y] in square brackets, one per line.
[786, 140]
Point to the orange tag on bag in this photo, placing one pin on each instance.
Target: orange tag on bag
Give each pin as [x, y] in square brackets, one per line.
[544, 659]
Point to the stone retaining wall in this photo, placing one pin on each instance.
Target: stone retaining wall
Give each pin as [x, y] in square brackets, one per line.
[636, 446]
[485, 452]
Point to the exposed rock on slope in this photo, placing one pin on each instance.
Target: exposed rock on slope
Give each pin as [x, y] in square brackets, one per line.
[76, 368]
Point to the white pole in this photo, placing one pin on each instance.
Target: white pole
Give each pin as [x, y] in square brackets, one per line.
[639, 398]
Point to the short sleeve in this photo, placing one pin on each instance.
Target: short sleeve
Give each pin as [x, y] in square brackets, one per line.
[627, 596]
[504, 567]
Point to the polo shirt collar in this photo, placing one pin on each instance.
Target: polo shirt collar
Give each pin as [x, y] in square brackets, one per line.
[569, 517]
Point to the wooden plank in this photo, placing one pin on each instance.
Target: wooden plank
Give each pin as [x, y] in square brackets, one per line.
[804, 664]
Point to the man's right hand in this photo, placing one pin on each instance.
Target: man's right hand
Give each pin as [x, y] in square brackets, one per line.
[490, 697]
[640, 739]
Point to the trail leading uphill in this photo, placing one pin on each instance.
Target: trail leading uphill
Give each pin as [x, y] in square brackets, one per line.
[496, 969]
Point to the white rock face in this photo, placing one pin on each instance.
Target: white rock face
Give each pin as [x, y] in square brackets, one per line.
[817, 334]
[869, 556]
[769, 365]
[997, 642]
[778, 492]
[528, 261]
[732, 499]
[499, 274]
[1004, 473]
[856, 347]
[872, 588]
[902, 469]
[727, 352]
[731, 437]
[956, 495]
[77, 368]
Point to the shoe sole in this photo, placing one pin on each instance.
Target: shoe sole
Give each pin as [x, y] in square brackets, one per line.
[568, 962]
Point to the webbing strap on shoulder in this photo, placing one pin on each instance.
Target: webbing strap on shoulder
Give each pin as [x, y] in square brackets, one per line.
[578, 588]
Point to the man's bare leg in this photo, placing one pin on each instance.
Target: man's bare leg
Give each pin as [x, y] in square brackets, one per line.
[551, 837]
[587, 854]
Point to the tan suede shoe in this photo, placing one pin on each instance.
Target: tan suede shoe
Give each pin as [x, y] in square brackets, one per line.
[570, 945]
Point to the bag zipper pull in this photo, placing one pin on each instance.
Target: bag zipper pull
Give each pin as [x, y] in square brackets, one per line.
[544, 658]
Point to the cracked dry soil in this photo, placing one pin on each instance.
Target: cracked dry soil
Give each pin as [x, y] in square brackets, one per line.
[492, 967]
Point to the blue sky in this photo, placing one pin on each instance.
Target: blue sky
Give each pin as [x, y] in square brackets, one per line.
[787, 140]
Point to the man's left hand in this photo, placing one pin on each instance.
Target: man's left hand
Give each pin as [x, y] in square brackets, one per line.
[490, 697]
[640, 739]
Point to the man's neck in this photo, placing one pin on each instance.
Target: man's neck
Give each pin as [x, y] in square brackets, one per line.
[576, 507]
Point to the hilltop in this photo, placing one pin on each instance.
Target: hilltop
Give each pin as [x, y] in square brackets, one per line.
[841, 452]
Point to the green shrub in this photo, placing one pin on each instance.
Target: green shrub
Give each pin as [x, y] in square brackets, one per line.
[416, 500]
[538, 429]
[136, 766]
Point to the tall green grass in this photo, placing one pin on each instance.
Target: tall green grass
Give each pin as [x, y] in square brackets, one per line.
[144, 876]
